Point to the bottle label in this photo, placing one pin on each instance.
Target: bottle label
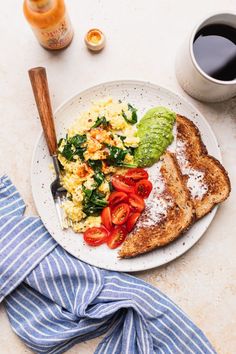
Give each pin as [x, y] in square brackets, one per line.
[56, 37]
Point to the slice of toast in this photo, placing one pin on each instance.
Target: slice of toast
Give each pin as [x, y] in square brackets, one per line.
[168, 213]
[206, 178]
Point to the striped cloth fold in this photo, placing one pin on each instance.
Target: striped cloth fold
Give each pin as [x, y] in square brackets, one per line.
[53, 300]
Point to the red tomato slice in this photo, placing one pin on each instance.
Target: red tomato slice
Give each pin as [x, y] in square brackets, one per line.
[132, 221]
[129, 181]
[122, 184]
[120, 214]
[106, 218]
[95, 236]
[143, 188]
[137, 174]
[136, 202]
[117, 197]
[117, 237]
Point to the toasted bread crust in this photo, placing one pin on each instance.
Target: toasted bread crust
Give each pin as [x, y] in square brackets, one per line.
[189, 132]
[215, 176]
[186, 208]
[179, 217]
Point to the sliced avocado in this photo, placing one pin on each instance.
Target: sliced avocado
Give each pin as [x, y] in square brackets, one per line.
[158, 112]
[146, 148]
[158, 137]
[152, 123]
[155, 133]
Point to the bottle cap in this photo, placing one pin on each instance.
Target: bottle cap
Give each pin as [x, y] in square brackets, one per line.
[95, 39]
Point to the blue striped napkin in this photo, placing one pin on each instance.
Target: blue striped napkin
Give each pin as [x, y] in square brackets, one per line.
[53, 300]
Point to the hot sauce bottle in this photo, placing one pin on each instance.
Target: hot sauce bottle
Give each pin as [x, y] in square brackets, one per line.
[50, 22]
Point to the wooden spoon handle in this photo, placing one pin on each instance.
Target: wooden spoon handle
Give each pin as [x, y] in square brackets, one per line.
[38, 78]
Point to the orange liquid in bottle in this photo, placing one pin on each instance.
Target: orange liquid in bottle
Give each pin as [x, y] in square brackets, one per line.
[49, 22]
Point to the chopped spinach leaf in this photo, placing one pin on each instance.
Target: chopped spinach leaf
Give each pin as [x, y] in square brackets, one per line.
[116, 155]
[96, 165]
[134, 117]
[80, 152]
[68, 152]
[100, 121]
[99, 203]
[73, 147]
[122, 137]
[78, 139]
[59, 142]
[128, 165]
[87, 192]
[111, 188]
[99, 194]
[99, 178]
[93, 202]
[131, 150]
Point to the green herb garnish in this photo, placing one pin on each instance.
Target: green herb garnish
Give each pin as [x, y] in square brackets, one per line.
[131, 150]
[93, 202]
[99, 178]
[96, 165]
[74, 147]
[78, 139]
[59, 142]
[116, 155]
[111, 188]
[68, 152]
[134, 117]
[122, 137]
[101, 121]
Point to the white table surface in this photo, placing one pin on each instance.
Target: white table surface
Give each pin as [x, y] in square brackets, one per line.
[142, 40]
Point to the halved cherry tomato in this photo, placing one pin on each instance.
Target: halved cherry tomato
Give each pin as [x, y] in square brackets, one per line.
[129, 181]
[123, 184]
[143, 188]
[136, 202]
[132, 221]
[120, 214]
[95, 236]
[117, 237]
[117, 197]
[137, 174]
[106, 218]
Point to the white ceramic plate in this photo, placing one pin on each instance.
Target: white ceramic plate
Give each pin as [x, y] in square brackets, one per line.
[142, 95]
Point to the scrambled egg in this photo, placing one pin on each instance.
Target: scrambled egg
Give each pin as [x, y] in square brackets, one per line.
[90, 221]
[77, 173]
[109, 108]
[73, 212]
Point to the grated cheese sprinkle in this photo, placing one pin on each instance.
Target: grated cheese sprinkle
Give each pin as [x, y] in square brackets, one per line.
[195, 183]
[157, 203]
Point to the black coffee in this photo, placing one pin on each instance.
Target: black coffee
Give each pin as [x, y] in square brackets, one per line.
[214, 48]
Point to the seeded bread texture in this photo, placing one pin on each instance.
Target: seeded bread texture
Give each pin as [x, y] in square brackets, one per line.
[180, 214]
[185, 208]
[215, 177]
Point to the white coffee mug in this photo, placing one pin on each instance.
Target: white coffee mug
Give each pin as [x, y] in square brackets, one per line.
[192, 78]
